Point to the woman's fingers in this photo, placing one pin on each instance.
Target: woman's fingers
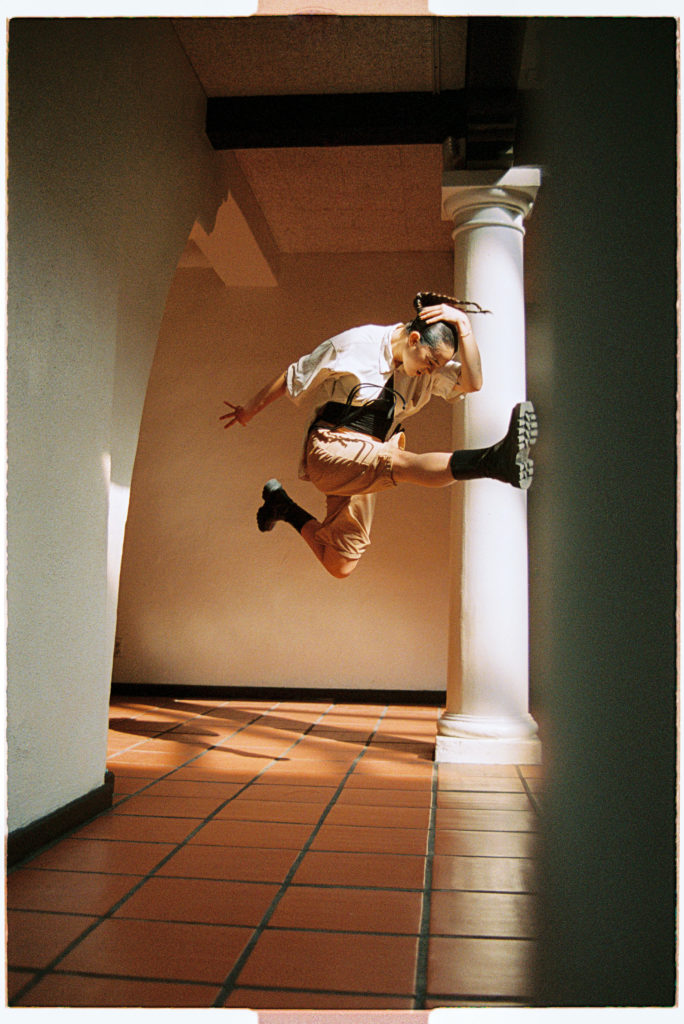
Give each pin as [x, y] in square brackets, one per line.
[231, 417]
[432, 313]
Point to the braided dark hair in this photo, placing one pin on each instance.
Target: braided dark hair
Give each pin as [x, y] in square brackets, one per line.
[424, 299]
[441, 332]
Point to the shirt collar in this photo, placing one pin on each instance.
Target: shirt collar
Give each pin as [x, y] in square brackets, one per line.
[386, 354]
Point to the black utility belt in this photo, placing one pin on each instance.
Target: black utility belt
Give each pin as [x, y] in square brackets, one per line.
[362, 418]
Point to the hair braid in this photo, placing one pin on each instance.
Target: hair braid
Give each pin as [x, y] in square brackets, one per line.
[424, 299]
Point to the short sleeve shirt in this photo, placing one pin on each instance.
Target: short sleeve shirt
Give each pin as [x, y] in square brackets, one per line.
[363, 356]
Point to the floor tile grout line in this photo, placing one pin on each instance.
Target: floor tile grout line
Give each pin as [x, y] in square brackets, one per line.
[437, 997]
[150, 874]
[530, 795]
[333, 850]
[388, 829]
[239, 964]
[345, 886]
[279, 821]
[302, 929]
[489, 892]
[485, 938]
[494, 831]
[423, 944]
[382, 995]
[326, 992]
[144, 979]
[407, 889]
[222, 846]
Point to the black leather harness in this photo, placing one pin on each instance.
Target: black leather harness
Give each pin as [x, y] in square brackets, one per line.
[374, 417]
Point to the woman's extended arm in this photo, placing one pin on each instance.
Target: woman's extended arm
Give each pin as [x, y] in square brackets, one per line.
[469, 353]
[242, 414]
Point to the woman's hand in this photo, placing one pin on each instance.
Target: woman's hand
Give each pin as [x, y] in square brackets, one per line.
[243, 414]
[468, 352]
[449, 314]
[236, 415]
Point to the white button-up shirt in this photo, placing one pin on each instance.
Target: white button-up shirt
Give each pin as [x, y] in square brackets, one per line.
[363, 355]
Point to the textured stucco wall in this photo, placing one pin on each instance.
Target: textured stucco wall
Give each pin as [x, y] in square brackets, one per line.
[108, 170]
[208, 600]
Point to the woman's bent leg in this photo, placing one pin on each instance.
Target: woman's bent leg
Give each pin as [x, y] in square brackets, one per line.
[344, 532]
[343, 536]
[337, 564]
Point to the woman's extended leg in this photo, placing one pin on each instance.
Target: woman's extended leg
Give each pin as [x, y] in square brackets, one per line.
[429, 470]
[508, 460]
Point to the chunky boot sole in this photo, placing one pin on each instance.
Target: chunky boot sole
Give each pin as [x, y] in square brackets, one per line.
[524, 423]
[509, 461]
[522, 434]
[270, 512]
[525, 472]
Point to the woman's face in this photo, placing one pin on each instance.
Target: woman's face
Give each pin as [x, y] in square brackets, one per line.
[419, 359]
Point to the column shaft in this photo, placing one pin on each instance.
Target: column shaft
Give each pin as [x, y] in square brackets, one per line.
[487, 718]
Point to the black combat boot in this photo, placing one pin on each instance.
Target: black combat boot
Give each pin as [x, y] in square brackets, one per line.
[508, 460]
[279, 506]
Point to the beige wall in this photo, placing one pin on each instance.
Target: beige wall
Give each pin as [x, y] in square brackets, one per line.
[205, 598]
[108, 170]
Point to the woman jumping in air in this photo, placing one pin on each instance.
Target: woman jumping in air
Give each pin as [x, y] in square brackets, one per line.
[368, 380]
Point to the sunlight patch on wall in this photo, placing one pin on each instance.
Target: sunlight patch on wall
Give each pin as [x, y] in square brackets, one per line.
[231, 250]
[116, 526]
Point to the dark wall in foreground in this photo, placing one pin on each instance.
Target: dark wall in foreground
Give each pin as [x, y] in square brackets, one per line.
[602, 370]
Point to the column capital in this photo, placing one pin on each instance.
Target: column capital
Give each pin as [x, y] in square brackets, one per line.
[488, 197]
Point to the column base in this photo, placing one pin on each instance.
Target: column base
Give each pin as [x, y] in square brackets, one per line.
[457, 750]
[470, 739]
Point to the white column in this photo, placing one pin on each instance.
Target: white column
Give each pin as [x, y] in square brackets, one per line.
[487, 718]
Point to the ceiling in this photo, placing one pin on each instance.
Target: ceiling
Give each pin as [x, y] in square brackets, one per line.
[276, 56]
[343, 198]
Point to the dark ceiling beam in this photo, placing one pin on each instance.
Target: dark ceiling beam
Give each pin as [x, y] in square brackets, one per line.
[358, 119]
[493, 58]
[479, 121]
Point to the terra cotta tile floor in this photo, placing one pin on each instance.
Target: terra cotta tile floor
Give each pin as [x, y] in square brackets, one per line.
[283, 856]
